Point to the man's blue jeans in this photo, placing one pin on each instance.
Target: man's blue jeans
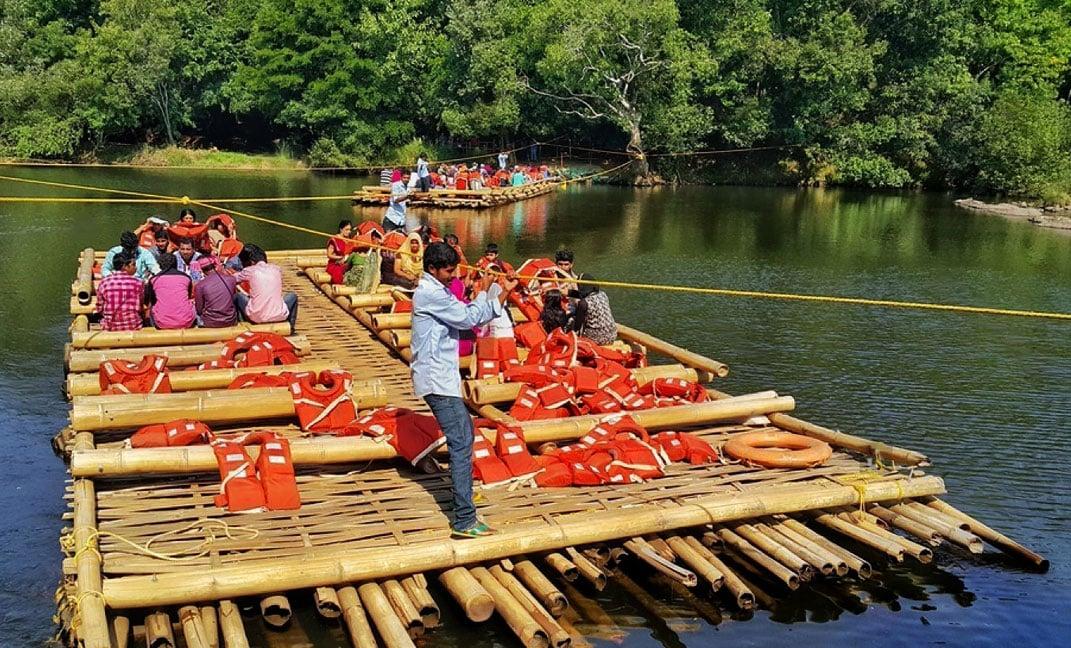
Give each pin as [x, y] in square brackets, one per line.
[457, 427]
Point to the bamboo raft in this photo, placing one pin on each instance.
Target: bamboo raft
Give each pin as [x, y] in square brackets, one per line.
[458, 198]
[149, 558]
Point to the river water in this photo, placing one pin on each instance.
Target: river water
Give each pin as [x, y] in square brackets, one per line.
[987, 398]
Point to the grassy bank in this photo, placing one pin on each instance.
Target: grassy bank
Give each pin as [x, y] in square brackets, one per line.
[174, 156]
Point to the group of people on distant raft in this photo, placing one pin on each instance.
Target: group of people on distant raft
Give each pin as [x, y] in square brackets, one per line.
[455, 306]
[184, 274]
[463, 176]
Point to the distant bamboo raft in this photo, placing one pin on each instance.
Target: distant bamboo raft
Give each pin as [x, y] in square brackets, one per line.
[458, 198]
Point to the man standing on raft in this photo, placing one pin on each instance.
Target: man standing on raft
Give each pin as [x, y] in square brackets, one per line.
[438, 319]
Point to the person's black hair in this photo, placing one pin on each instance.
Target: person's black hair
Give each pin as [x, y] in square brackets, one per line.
[344, 223]
[251, 255]
[438, 256]
[128, 241]
[451, 239]
[187, 212]
[185, 240]
[168, 262]
[423, 155]
[553, 316]
[161, 234]
[491, 247]
[587, 290]
[121, 259]
[563, 255]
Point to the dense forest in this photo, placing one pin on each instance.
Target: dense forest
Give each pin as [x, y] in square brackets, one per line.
[970, 94]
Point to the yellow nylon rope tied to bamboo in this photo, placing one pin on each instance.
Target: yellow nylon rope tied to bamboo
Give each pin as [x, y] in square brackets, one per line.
[726, 292]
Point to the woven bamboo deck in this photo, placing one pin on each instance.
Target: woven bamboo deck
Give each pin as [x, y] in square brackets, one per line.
[158, 541]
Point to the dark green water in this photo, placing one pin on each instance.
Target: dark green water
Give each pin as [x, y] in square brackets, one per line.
[987, 398]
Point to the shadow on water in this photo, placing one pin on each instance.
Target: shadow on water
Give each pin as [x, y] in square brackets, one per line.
[988, 399]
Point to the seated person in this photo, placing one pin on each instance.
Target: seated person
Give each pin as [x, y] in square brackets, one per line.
[217, 234]
[214, 295]
[186, 258]
[149, 231]
[119, 295]
[564, 260]
[408, 263]
[187, 217]
[518, 178]
[168, 295]
[599, 325]
[266, 302]
[556, 315]
[145, 264]
[162, 247]
[339, 248]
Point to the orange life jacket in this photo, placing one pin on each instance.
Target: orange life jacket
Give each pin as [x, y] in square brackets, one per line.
[682, 446]
[495, 355]
[254, 350]
[180, 432]
[513, 451]
[150, 376]
[675, 388]
[147, 238]
[486, 465]
[557, 351]
[193, 231]
[529, 334]
[412, 435]
[393, 240]
[533, 375]
[324, 403]
[269, 483]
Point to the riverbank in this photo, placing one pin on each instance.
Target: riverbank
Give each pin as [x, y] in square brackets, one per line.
[1058, 218]
[174, 157]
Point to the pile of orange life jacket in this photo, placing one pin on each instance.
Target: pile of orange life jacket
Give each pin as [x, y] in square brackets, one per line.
[254, 350]
[149, 376]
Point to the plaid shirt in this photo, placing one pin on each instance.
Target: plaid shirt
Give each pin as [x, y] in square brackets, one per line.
[119, 301]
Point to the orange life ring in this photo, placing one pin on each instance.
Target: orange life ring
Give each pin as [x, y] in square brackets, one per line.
[778, 449]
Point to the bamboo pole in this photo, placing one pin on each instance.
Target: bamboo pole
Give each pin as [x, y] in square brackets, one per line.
[815, 562]
[660, 546]
[403, 607]
[400, 338]
[370, 300]
[516, 617]
[565, 567]
[920, 553]
[990, 535]
[949, 529]
[556, 635]
[756, 556]
[327, 603]
[848, 441]
[88, 384]
[79, 308]
[320, 450]
[390, 628]
[114, 462]
[862, 536]
[469, 594]
[177, 356]
[121, 631]
[193, 630]
[82, 288]
[343, 564]
[160, 337]
[861, 567]
[121, 411]
[683, 356]
[276, 610]
[79, 323]
[549, 596]
[825, 561]
[647, 554]
[589, 570]
[909, 525]
[356, 620]
[775, 550]
[93, 629]
[381, 321]
[484, 392]
[210, 621]
[742, 596]
[696, 562]
[231, 626]
[426, 606]
[312, 261]
[158, 633]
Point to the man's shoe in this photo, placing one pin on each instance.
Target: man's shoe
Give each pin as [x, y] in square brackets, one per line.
[478, 530]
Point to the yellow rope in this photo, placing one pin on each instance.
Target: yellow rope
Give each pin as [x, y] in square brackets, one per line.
[725, 292]
[202, 548]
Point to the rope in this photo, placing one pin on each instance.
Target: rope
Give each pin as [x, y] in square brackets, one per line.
[724, 292]
[202, 548]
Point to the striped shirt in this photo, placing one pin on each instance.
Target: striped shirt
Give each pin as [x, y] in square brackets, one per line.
[119, 302]
[384, 177]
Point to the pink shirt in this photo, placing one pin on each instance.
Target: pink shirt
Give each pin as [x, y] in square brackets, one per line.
[265, 293]
[172, 308]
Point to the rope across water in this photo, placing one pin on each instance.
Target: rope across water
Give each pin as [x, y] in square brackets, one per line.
[726, 292]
